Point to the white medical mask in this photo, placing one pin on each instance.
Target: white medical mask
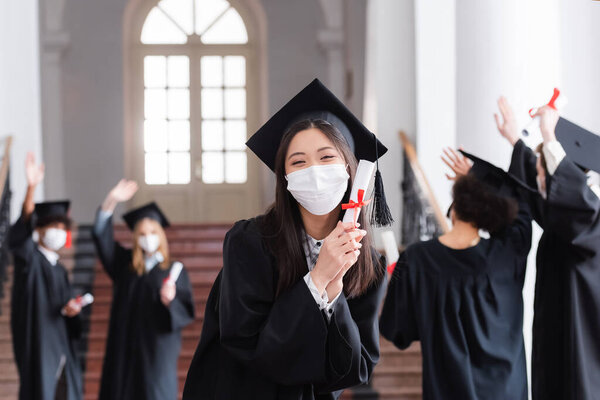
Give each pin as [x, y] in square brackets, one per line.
[319, 188]
[149, 243]
[54, 238]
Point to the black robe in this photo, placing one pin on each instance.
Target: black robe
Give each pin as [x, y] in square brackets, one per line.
[466, 309]
[566, 324]
[41, 334]
[255, 345]
[144, 337]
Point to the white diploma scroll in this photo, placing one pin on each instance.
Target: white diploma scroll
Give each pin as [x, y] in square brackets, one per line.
[86, 300]
[175, 272]
[390, 247]
[363, 176]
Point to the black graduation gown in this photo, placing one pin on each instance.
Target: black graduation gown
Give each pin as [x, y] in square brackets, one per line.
[255, 345]
[144, 337]
[566, 325]
[466, 309]
[41, 334]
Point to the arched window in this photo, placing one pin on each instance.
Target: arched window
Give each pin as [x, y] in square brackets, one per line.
[194, 87]
[200, 42]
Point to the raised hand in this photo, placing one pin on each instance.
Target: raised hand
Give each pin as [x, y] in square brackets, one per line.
[33, 171]
[548, 120]
[458, 163]
[123, 191]
[507, 126]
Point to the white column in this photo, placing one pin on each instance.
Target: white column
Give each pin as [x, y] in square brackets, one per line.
[20, 90]
[435, 47]
[390, 88]
[511, 48]
[55, 41]
[331, 39]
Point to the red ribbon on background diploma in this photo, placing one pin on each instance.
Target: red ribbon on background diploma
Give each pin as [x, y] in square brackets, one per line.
[356, 205]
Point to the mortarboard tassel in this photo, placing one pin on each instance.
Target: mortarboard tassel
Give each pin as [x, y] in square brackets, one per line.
[380, 214]
[69, 241]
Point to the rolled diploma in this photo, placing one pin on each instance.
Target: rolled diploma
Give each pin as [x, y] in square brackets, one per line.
[364, 172]
[534, 124]
[390, 247]
[86, 300]
[175, 272]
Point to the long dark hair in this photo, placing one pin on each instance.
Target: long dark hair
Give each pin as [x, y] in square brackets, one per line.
[286, 230]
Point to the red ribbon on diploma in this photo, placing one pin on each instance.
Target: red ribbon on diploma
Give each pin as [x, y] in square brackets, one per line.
[356, 205]
[550, 104]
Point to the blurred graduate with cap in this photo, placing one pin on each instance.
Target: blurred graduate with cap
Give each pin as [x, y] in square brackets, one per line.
[566, 325]
[293, 313]
[44, 314]
[460, 295]
[152, 302]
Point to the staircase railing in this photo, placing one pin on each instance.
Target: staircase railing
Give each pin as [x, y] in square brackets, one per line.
[5, 193]
[422, 217]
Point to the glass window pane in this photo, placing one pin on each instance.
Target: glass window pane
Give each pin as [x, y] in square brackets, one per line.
[156, 168]
[179, 135]
[207, 11]
[229, 29]
[158, 29]
[235, 103]
[235, 135]
[212, 167]
[179, 103]
[179, 71]
[181, 12]
[155, 71]
[212, 135]
[235, 167]
[179, 168]
[211, 70]
[212, 103]
[155, 104]
[155, 135]
[235, 71]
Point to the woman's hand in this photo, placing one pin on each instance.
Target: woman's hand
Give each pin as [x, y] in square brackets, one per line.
[508, 125]
[339, 251]
[167, 293]
[548, 120]
[123, 191]
[458, 163]
[72, 308]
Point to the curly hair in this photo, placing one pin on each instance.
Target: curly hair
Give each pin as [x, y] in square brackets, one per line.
[476, 203]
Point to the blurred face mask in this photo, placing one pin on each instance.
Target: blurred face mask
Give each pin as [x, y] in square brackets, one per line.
[319, 188]
[54, 238]
[149, 243]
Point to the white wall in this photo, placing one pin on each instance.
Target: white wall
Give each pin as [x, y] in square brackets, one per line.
[390, 88]
[20, 90]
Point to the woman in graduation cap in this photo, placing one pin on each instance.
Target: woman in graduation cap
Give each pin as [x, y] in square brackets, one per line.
[150, 306]
[293, 313]
[566, 324]
[44, 315]
[460, 295]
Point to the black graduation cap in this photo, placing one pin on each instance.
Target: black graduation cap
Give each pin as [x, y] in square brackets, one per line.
[50, 209]
[499, 181]
[149, 210]
[315, 101]
[582, 146]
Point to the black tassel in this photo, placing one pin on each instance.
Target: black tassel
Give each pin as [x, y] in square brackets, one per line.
[380, 214]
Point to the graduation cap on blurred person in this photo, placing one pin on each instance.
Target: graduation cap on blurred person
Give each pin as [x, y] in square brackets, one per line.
[500, 182]
[582, 146]
[52, 209]
[150, 210]
[315, 101]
